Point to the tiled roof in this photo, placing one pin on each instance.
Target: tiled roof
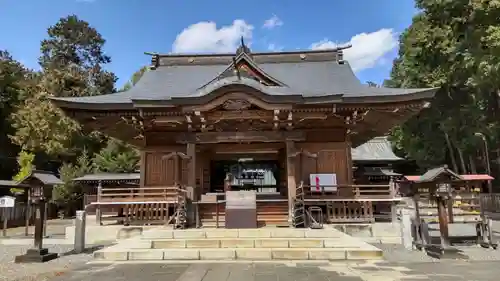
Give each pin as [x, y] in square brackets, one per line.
[315, 80]
[46, 177]
[376, 149]
[7, 183]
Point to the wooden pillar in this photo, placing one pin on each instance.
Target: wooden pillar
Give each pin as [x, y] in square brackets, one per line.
[443, 221]
[142, 170]
[291, 174]
[450, 202]
[177, 169]
[350, 174]
[193, 192]
[28, 212]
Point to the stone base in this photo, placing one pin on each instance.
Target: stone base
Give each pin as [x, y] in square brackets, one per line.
[263, 244]
[487, 245]
[36, 256]
[440, 252]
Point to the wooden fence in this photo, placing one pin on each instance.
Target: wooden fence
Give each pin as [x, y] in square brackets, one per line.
[16, 216]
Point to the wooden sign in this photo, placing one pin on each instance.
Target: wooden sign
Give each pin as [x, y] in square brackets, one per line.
[323, 182]
[7, 202]
[244, 199]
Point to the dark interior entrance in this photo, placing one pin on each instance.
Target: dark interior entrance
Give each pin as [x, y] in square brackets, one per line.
[249, 174]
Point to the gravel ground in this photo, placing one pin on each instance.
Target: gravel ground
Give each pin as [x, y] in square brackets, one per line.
[23, 272]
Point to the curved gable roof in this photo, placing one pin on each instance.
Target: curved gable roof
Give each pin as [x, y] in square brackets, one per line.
[313, 75]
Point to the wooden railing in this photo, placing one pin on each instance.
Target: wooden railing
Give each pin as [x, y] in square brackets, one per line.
[350, 212]
[137, 205]
[352, 191]
[168, 194]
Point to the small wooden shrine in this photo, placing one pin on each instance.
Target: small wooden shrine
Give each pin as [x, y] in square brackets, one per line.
[448, 192]
[280, 123]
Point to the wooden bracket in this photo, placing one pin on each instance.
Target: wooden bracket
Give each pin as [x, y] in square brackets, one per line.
[303, 152]
[179, 154]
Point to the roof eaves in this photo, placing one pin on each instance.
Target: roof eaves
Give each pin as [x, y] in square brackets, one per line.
[432, 174]
[402, 96]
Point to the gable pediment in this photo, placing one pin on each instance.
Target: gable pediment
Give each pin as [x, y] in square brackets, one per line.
[237, 101]
[244, 67]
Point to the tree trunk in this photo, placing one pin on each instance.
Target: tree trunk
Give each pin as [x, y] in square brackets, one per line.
[451, 151]
[462, 160]
[472, 164]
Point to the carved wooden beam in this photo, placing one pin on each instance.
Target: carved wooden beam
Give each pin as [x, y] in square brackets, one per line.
[137, 123]
[189, 122]
[179, 154]
[169, 120]
[301, 116]
[239, 115]
[276, 120]
[303, 152]
[232, 137]
[203, 121]
[289, 119]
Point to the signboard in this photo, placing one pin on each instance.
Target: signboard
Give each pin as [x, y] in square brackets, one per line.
[241, 199]
[320, 182]
[7, 202]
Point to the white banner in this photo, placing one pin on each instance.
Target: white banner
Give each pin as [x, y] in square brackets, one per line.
[326, 181]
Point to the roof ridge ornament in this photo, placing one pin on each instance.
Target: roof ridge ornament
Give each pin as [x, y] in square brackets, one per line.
[243, 48]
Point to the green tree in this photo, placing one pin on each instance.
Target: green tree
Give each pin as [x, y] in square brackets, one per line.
[73, 59]
[13, 78]
[72, 63]
[25, 162]
[116, 157]
[453, 45]
[71, 192]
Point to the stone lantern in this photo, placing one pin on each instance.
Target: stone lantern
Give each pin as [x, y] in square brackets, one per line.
[40, 190]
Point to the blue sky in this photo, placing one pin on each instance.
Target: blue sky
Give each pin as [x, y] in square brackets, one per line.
[132, 27]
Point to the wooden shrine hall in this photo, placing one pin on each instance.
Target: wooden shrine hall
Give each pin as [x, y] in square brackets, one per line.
[281, 124]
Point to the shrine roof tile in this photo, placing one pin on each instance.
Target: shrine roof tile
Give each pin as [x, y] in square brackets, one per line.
[316, 79]
[376, 149]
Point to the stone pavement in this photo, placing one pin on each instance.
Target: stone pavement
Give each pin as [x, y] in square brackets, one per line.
[440, 271]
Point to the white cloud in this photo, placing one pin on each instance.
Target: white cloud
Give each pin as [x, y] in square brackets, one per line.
[272, 22]
[368, 49]
[204, 37]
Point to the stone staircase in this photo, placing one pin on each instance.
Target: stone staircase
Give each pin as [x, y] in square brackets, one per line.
[262, 244]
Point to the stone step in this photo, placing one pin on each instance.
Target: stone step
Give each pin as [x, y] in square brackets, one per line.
[165, 233]
[254, 243]
[114, 254]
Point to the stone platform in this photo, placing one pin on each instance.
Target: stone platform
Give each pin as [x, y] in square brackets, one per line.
[262, 244]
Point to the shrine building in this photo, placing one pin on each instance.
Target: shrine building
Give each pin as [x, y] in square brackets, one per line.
[279, 123]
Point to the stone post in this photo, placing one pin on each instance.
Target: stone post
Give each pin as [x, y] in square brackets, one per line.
[5, 221]
[79, 245]
[406, 214]
[98, 214]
